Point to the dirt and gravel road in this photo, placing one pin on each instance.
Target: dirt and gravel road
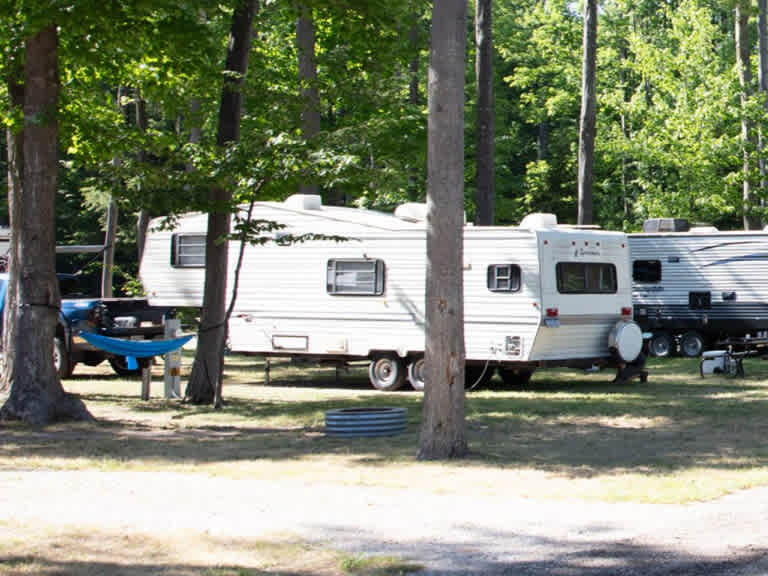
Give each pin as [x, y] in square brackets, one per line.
[447, 533]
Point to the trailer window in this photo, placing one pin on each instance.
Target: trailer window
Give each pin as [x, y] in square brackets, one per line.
[188, 250]
[355, 277]
[503, 278]
[646, 271]
[586, 278]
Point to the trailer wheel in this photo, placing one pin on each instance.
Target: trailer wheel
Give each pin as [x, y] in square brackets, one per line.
[387, 372]
[61, 361]
[515, 376]
[416, 373]
[692, 344]
[660, 345]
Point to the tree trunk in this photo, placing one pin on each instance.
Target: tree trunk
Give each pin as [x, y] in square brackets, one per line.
[208, 366]
[15, 143]
[741, 33]
[442, 432]
[588, 113]
[762, 78]
[37, 396]
[310, 114]
[485, 114]
[110, 235]
[142, 222]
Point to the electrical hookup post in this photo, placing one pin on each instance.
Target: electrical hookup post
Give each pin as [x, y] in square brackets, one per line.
[172, 360]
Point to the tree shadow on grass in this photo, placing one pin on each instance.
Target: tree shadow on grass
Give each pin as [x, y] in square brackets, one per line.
[565, 422]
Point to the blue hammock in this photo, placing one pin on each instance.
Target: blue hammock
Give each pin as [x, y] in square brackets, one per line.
[133, 349]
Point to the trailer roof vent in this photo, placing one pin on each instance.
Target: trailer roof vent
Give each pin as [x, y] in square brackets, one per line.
[704, 229]
[303, 202]
[412, 212]
[666, 225]
[539, 220]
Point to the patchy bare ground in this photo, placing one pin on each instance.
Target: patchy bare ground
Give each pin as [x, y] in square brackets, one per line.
[161, 488]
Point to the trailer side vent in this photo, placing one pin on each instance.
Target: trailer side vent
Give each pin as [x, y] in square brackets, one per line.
[304, 202]
[666, 225]
[514, 346]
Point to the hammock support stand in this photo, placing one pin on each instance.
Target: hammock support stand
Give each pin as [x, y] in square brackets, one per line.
[139, 354]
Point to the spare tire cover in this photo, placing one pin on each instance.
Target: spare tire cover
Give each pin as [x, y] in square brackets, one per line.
[626, 339]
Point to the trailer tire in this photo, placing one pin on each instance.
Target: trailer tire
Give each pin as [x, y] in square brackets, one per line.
[515, 376]
[387, 372]
[691, 344]
[660, 345]
[416, 373]
[61, 360]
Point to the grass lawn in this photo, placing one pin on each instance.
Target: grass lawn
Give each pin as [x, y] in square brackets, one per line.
[679, 437]
[674, 439]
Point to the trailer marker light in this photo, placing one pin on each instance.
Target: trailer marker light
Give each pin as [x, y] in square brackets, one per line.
[552, 312]
[626, 311]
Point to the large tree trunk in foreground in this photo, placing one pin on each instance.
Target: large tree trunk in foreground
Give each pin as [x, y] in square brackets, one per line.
[208, 367]
[587, 121]
[37, 396]
[762, 86]
[485, 115]
[442, 431]
[15, 143]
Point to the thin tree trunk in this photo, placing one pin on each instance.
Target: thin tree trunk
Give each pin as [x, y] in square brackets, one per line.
[741, 33]
[142, 222]
[37, 396]
[588, 113]
[207, 370]
[485, 114]
[15, 143]
[762, 81]
[110, 234]
[442, 431]
[310, 114]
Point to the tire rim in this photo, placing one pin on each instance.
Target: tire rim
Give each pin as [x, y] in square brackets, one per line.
[384, 371]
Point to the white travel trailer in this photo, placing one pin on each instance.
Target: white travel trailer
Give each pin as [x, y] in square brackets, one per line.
[534, 295]
[698, 286]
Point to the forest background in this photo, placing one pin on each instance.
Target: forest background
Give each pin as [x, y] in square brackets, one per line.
[678, 126]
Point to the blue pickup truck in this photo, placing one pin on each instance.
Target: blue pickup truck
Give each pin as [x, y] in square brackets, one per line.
[82, 311]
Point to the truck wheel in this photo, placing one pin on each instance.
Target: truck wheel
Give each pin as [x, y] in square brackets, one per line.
[387, 372]
[120, 366]
[691, 344]
[61, 361]
[660, 345]
[515, 376]
[416, 373]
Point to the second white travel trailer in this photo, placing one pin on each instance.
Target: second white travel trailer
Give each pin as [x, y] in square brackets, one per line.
[695, 287]
[534, 295]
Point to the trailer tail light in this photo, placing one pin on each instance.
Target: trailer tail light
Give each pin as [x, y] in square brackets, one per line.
[551, 318]
[626, 312]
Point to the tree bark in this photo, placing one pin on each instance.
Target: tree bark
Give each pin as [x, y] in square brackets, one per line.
[442, 431]
[588, 115]
[208, 366]
[485, 113]
[310, 114]
[15, 144]
[741, 33]
[142, 222]
[762, 82]
[37, 396]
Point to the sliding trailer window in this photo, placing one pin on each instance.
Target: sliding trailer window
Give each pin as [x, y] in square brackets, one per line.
[646, 271]
[355, 277]
[586, 278]
[504, 278]
[188, 250]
